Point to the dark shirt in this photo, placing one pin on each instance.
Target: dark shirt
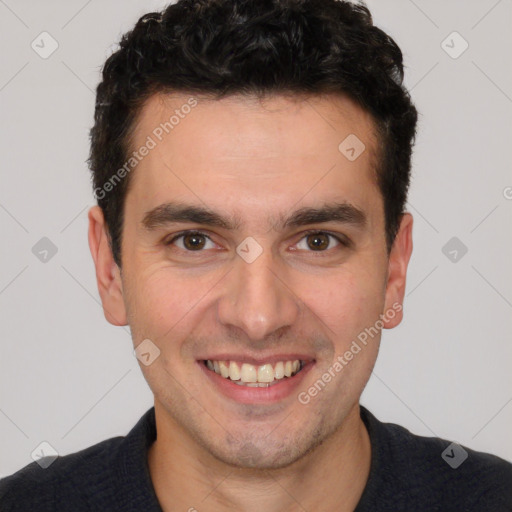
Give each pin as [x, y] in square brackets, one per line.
[407, 473]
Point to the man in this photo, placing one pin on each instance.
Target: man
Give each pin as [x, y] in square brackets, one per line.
[251, 163]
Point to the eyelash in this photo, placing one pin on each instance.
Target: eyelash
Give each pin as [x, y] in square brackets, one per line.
[343, 242]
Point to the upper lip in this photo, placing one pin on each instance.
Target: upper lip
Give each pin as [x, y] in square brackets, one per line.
[258, 360]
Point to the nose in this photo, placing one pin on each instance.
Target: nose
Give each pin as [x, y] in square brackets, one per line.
[257, 298]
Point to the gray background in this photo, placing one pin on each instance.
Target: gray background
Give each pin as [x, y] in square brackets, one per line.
[69, 378]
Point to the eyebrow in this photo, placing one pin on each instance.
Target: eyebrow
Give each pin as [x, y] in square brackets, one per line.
[174, 212]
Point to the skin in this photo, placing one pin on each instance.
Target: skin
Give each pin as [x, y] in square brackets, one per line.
[258, 160]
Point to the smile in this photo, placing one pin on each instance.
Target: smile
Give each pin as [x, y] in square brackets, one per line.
[246, 374]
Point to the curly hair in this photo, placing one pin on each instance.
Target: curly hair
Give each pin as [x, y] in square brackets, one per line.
[254, 47]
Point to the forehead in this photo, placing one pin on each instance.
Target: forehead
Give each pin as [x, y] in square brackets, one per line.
[243, 150]
[240, 117]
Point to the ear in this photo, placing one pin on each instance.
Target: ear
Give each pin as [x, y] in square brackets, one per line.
[108, 276]
[397, 271]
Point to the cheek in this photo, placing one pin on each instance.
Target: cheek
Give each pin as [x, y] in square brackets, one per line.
[348, 308]
[163, 302]
[346, 301]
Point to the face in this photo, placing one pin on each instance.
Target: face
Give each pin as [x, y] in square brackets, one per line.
[251, 242]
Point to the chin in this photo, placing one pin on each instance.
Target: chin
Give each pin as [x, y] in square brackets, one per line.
[249, 456]
[266, 453]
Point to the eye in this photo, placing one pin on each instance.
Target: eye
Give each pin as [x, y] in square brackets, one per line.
[312, 241]
[192, 241]
[319, 241]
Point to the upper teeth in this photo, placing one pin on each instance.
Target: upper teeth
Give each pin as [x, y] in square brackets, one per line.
[248, 373]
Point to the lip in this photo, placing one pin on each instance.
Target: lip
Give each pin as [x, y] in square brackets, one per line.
[249, 395]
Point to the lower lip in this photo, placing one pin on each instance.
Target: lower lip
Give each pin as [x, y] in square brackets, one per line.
[249, 395]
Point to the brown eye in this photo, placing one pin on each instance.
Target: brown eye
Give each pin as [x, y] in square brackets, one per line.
[318, 241]
[191, 241]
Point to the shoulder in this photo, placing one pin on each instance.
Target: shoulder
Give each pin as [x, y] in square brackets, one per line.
[69, 480]
[452, 467]
[437, 472]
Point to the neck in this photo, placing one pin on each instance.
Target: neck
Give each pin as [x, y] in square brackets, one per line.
[187, 477]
